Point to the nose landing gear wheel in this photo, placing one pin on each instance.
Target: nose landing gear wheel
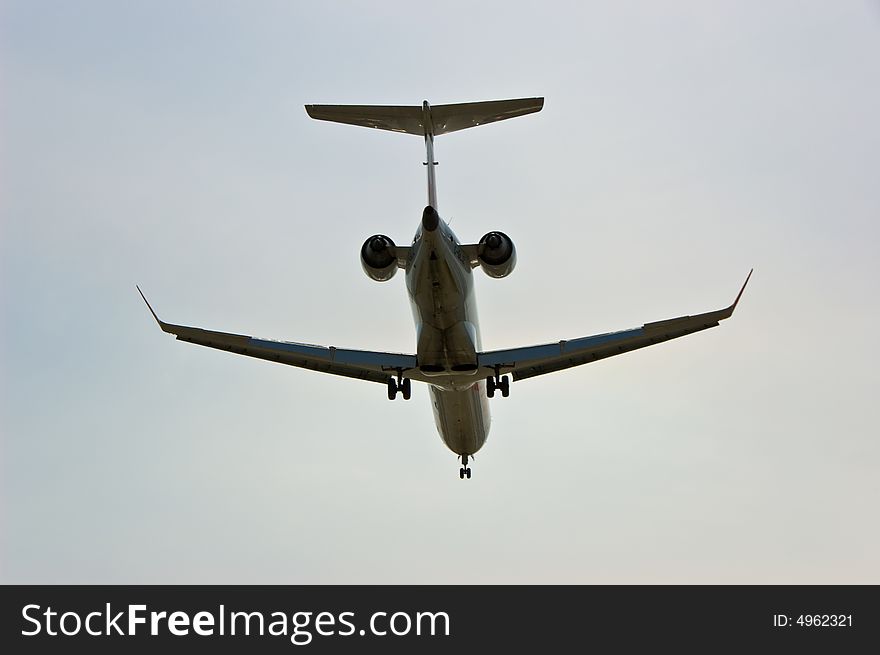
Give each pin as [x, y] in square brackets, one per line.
[465, 470]
[392, 389]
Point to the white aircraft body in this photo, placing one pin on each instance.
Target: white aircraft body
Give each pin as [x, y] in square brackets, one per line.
[460, 375]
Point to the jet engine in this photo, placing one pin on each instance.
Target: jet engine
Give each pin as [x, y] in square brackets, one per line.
[497, 254]
[379, 258]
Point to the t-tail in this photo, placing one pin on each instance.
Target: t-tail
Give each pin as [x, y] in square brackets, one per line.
[426, 121]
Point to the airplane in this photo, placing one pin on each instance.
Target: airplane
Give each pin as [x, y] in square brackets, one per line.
[449, 358]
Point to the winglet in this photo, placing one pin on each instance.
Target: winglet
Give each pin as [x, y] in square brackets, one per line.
[739, 295]
[727, 312]
[161, 324]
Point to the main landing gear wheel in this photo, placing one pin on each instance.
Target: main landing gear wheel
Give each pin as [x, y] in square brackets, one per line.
[403, 385]
[501, 383]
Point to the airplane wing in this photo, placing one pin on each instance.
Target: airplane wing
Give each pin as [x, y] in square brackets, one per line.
[359, 364]
[523, 363]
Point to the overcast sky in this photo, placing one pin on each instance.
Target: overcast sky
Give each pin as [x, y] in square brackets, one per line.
[681, 144]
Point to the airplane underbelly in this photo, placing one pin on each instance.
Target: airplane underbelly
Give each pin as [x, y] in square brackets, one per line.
[462, 417]
[441, 293]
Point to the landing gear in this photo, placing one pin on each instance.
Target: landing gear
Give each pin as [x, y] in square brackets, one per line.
[501, 383]
[402, 384]
[464, 471]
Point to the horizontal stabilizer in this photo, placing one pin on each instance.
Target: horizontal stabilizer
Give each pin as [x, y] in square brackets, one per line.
[425, 119]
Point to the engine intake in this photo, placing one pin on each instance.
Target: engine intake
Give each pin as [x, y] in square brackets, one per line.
[379, 258]
[497, 254]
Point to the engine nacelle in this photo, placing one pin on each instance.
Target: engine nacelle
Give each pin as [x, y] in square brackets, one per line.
[379, 258]
[497, 254]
